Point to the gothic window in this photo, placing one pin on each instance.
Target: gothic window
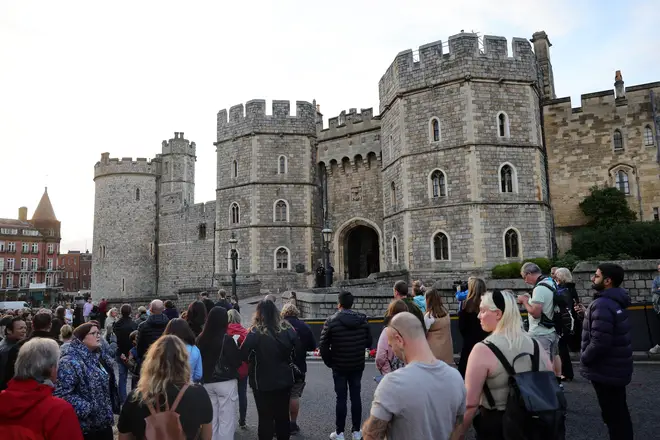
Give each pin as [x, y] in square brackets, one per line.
[137, 194]
[622, 182]
[281, 212]
[502, 125]
[617, 139]
[395, 250]
[234, 169]
[508, 179]
[438, 184]
[282, 258]
[648, 136]
[282, 165]
[511, 244]
[235, 213]
[393, 196]
[440, 247]
[434, 130]
[201, 230]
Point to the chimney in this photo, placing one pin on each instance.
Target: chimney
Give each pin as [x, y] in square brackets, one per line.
[22, 214]
[618, 85]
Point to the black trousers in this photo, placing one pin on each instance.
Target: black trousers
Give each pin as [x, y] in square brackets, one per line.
[566, 365]
[614, 409]
[104, 434]
[273, 409]
[345, 383]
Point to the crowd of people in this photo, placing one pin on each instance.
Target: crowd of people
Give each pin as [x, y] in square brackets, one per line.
[189, 372]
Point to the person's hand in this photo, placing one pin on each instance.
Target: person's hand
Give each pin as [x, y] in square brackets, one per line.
[523, 299]
[580, 309]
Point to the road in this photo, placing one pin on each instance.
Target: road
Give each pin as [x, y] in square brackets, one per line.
[584, 422]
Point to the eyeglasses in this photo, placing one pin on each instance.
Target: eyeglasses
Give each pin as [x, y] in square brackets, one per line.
[397, 331]
[96, 333]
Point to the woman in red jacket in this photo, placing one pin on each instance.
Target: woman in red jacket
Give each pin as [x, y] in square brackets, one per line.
[238, 332]
[27, 406]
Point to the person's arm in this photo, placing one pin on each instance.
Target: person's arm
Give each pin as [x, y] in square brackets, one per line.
[533, 305]
[206, 431]
[248, 345]
[475, 378]
[197, 368]
[386, 404]
[601, 332]
[232, 352]
[382, 353]
[311, 340]
[325, 344]
[67, 384]
[374, 428]
[126, 436]
[458, 431]
[12, 355]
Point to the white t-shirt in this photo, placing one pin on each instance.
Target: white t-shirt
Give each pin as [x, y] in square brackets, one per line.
[421, 401]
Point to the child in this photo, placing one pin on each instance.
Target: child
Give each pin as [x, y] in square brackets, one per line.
[132, 362]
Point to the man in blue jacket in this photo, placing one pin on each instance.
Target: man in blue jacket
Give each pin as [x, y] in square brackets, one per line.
[606, 358]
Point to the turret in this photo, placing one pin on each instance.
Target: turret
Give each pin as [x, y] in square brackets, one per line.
[542, 51]
[177, 186]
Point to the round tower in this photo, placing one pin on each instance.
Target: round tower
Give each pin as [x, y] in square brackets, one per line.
[125, 227]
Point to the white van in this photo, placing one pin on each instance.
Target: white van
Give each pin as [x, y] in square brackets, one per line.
[13, 305]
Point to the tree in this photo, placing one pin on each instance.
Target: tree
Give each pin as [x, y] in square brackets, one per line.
[607, 207]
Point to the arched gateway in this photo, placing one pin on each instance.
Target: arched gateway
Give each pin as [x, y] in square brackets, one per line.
[358, 245]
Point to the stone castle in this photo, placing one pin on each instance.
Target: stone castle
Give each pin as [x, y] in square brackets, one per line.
[454, 175]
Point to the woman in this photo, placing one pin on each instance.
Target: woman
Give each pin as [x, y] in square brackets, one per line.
[165, 376]
[57, 322]
[498, 314]
[196, 317]
[66, 333]
[179, 327]
[238, 332]
[86, 380]
[566, 288]
[111, 317]
[220, 361]
[170, 310]
[438, 324]
[68, 314]
[269, 347]
[418, 295]
[386, 360]
[468, 321]
[122, 330]
[142, 315]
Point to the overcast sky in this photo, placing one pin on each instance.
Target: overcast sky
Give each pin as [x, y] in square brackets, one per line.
[79, 78]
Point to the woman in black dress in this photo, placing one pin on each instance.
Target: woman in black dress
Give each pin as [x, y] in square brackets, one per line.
[468, 321]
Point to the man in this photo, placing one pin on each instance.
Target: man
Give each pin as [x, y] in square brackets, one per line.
[401, 292]
[87, 309]
[541, 311]
[553, 272]
[208, 303]
[103, 309]
[655, 297]
[15, 331]
[344, 338]
[406, 403]
[151, 329]
[320, 276]
[222, 300]
[329, 274]
[606, 358]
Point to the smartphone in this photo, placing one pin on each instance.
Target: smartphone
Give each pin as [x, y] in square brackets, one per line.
[378, 378]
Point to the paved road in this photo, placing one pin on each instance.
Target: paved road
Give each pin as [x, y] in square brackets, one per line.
[584, 422]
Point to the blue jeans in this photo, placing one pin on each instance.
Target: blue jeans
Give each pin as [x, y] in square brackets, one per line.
[345, 382]
[242, 399]
[123, 375]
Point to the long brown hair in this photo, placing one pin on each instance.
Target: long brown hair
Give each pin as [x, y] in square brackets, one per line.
[396, 306]
[434, 304]
[476, 289]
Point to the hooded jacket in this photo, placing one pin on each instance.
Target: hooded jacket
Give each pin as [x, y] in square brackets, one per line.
[344, 338]
[31, 404]
[149, 331]
[606, 343]
[123, 328]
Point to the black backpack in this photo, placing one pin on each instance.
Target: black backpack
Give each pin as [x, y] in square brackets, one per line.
[562, 319]
[536, 406]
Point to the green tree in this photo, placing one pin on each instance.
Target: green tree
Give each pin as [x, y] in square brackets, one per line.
[607, 207]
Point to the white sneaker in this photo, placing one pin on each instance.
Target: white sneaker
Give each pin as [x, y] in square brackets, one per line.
[357, 435]
[655, 350]
[335, 436]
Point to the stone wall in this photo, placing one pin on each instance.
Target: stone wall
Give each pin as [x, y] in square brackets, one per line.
[638, 280]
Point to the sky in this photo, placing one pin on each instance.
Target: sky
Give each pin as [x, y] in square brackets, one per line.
[79, 78]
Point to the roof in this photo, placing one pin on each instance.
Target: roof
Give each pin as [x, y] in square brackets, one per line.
[44, 210]
[13, 223]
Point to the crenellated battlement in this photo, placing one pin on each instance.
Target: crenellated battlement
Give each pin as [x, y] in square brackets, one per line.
[353, 164]
[252, 119]
[179, 145]
[125, 165]
[430, 65]
[350, 123]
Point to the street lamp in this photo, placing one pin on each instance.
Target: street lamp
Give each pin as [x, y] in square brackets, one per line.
[327, 238]
[234, 259]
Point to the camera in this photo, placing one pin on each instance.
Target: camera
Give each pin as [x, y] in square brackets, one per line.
[460, 286]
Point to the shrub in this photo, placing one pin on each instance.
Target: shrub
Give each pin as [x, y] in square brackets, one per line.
[512, 270]
[568, 260]
[636, 240]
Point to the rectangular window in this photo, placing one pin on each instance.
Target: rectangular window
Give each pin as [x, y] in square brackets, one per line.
[35, 248]
[26, 248]
[2, 246]
[24, 264]
[49, 279]
[49, 264]
[656, 214]
[35, 264]
[10, 280]
[0, 281]
[11, 246]
[2, 264]
[9, 231]
[51, 247]
[10, 263]
[84, 285]
[33, 278]
[30, 232]
[23, 280]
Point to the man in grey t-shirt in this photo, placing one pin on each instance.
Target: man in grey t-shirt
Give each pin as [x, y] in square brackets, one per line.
[425, 399]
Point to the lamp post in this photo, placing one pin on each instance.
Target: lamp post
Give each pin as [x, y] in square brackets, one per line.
[327, 238]
[234, 258]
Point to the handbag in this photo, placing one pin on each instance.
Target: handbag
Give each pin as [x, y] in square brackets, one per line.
[221, 371]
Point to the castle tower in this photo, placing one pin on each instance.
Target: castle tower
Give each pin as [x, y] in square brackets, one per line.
[125, 226]
[268, 192]
[177, 187]
[463, 177]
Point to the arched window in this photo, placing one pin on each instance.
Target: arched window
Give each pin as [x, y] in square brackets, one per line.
[438, 184]
[502, 125]
[511, 244]
[395, 250]
[235, 213]
[234, 169]
[622, 182]
[393, 196]
[434, 130]
[281, 211]
[440, 247]
[137, 194]
[617, 139]
[282, 258]
[230, 262]
[648, 136]
[201, 231]
[508, 179]
[282, 165]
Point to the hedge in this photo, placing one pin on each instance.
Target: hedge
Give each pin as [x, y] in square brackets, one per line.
[622, 241]
[512, 270]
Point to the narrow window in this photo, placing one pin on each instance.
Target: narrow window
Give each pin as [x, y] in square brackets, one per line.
[440, 247]
[235, 213]
[201, 230]
[503, 125]
[282, 258]
[137, 194]
[234, 169]
[123, 285]
[395, 250]
[435, 130]
[618, 140]
[511, 247]
[506, 179]
[438, 184]
[656, 214]
[280, 211]
[648, 136]
[622, 182]
[393, 196]
[281, 165]
[391, 147]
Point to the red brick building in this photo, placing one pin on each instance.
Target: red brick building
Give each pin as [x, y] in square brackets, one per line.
[28, 254]
[76, 268]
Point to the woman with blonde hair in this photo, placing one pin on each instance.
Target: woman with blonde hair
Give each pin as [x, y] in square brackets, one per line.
[165, 384]
[66, 333]
[568, 341]
[438, 323]
[499, 315]
[386, 360]
[468, 321]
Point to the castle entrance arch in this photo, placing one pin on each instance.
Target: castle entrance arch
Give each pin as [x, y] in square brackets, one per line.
[359, 249]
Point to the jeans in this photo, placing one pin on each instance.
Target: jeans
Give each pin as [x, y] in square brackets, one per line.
[103, 434]
[123, 378]
[224, 396]
[345, 382]
[566, 365]
[242, 399]
[273, 406]
[614, 409]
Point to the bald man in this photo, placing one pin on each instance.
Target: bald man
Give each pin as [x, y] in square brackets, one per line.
[151, 329]
[407, 402]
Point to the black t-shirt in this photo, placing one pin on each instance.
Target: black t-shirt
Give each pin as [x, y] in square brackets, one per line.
[194, 409]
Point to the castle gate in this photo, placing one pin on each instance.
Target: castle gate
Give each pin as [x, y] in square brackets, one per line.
[358, 246]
